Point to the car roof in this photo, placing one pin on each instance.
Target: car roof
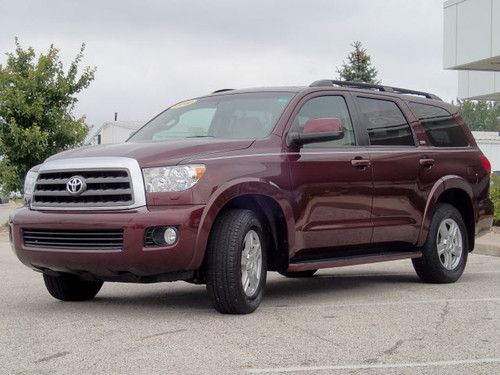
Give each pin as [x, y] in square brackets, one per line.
[408, 97]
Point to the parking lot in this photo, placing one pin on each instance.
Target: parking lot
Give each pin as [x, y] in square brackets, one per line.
[376, 319]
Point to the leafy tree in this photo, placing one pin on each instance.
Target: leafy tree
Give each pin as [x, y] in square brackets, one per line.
[358, 67]
[37, 97]
[480, 115]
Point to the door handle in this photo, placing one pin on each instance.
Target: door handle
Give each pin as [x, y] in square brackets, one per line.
[426, 162]
[360, 163]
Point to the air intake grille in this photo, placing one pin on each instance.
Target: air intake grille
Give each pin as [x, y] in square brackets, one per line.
[102, 188]
[73, 239]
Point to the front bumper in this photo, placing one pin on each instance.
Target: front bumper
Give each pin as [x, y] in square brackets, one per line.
[132, 262]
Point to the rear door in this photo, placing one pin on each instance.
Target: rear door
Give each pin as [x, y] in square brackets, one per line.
[395, 158]
[331, 181]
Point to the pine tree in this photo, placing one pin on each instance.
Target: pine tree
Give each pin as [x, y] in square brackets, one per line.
[358, 67]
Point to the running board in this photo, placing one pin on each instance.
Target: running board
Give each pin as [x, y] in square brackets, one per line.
[350, 260]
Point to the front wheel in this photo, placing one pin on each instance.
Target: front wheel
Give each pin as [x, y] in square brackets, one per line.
[236, 262]
[445, 251]
[67, 287]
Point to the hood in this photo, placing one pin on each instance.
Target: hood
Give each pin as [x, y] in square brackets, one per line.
[151, 154]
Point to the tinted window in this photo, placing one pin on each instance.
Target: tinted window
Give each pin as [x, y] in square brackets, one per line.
[440, 127]
[326, 107]
[237, 116]
[385, 123]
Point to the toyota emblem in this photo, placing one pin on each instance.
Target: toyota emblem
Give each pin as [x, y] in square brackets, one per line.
[76, 185]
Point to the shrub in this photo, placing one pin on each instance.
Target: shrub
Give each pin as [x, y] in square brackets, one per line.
[495, 197]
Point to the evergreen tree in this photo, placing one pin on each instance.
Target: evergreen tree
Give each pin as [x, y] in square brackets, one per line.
[358, 67]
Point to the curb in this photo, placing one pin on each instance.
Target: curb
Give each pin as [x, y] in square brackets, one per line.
[488, 244]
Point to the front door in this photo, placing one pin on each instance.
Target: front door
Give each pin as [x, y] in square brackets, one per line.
[331, 182]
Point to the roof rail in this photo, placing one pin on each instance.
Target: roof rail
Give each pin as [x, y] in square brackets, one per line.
[362, 85]
[221, 90]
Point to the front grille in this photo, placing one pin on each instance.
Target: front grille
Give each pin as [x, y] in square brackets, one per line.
[104, 188]
[74, 239]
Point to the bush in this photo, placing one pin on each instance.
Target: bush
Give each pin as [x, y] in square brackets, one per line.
[495, 197]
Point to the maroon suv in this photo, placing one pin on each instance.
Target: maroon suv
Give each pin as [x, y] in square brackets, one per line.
[223, 188]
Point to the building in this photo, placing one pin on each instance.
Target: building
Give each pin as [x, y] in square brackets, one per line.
[115, 131]
[472, 46]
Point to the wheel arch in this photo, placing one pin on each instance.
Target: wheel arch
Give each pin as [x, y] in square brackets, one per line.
[456, 191]
[264, 198]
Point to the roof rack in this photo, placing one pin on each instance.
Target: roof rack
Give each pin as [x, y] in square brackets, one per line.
[221, 90]
[362, 85]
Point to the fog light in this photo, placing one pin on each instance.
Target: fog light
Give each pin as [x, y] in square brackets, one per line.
[161, 236]
[170, 235]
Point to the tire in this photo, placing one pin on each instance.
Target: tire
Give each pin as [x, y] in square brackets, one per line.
[68, 287]
[235, 233]
[449, 266]
[299, 274]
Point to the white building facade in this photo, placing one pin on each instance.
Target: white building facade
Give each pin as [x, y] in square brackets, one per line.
[472, 46]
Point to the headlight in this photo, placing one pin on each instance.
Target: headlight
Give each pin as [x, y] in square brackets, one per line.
[30, 181]
[170, 179]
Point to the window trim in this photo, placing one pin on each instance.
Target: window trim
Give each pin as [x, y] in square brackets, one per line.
[398, 103]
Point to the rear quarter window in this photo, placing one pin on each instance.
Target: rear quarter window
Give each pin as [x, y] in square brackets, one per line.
[440, 126]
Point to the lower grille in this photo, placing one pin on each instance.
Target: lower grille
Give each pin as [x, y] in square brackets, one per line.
[74, 239]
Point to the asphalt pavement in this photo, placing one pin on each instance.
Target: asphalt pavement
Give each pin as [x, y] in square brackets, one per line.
[371, 319]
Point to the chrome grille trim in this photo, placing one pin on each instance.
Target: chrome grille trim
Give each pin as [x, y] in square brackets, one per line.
[113, 183]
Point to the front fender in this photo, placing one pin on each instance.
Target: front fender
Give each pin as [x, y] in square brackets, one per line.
[441, 185]
[227, 192]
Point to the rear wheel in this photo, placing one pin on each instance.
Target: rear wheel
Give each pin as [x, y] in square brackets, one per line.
[298, 274]
[67, 287]
[445, 251]
[236, 262]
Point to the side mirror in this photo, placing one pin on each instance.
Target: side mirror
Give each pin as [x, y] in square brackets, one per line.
[317, 130]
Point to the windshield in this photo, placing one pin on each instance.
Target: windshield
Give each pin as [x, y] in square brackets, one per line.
[237, 116]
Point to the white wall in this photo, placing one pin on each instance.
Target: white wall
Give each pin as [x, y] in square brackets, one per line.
[478, 85]
[471, 34]
[492, 152]
[118, 131]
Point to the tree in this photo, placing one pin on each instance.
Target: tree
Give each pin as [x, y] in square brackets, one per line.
[480, 115]
[37, 97]
[358, 67]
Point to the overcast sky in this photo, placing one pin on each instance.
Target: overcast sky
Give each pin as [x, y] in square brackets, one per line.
[150, 54]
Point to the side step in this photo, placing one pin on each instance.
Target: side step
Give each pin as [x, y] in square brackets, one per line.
[350, 260]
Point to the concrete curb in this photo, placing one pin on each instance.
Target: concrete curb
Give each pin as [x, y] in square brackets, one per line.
[488, 244]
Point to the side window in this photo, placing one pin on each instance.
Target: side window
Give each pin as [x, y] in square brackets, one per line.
[440, 126]
[385, 123]
[326, 107]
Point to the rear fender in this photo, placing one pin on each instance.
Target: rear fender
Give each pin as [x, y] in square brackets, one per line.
[441, 185]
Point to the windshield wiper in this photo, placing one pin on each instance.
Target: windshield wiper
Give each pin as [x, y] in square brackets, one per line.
[200, 136]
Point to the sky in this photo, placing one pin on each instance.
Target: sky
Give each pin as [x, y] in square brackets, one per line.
[151, 54]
